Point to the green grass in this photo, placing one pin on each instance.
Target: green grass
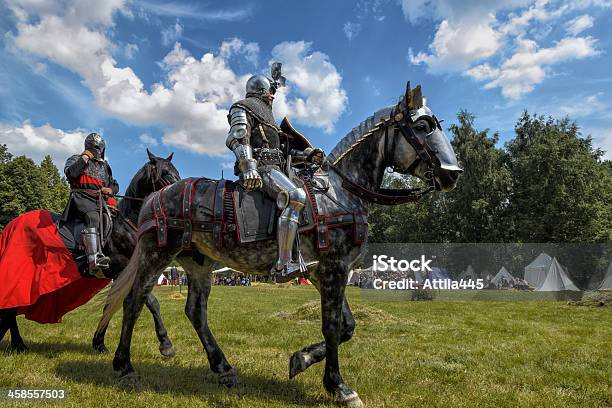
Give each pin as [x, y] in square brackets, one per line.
[445, 353]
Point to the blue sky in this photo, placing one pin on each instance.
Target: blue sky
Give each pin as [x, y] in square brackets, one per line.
[162, 75]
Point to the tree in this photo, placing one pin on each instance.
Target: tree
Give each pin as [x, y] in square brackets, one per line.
[57, 189]
[561, 189]
[477, 209]
[24, 186]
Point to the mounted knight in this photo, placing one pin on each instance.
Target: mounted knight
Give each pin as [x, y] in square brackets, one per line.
[92, 185]
[262, 151]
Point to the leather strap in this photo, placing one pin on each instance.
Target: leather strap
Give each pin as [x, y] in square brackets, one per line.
[160, 217]
[218, 212]
[187, 198]
[383, 196]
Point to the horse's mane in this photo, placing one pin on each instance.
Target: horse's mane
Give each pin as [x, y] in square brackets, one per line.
[132, 190]
[355, 136]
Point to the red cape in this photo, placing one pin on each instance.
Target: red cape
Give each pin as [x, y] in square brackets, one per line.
[38, 275]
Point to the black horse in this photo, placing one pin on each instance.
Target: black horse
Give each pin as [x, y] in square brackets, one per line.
[155, 174]
[406, 137]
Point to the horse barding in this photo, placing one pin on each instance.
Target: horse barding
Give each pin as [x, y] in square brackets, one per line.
[42, 261]
[205, 214]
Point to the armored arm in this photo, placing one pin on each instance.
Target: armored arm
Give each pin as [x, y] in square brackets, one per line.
[113, 184]
[74, 166]
[238, 142]
[308, 155]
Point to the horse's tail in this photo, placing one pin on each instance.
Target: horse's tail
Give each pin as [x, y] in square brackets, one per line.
[119, 290]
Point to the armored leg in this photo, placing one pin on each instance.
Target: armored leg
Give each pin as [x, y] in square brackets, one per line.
[291, 200]
[95, 258]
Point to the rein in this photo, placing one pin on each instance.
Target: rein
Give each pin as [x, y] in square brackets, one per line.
[387, 196]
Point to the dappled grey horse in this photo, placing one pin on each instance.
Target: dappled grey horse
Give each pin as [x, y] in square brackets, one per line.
[406, 137]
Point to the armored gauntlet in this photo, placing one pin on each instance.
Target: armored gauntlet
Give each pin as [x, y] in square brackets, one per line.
[238, 142]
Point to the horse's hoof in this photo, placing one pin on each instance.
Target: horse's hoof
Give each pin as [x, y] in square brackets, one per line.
[131, 381]
[101, 348]
[19, 348]
[297, 364]
[167, 351]
[350, 399]
[228, 378]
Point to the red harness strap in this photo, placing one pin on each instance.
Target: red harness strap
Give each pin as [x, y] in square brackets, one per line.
[162, 222]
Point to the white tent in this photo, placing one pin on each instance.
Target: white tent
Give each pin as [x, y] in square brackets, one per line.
[557, 279]
[607, 282]
[468, 274]
[535, 272]
[503, 278]
[160, 280]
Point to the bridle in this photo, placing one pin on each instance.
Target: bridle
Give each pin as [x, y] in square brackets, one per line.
[400, 117]
[157, 180]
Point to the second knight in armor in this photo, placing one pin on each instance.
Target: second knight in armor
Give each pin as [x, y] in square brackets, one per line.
[91, 180]
[256, 141]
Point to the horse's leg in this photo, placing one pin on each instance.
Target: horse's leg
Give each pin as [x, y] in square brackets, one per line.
[196, 309]
[332, 280]
[98, 339]
[165, 345]
[8, 321]
[315, 353]
[4, 324]
[149, 261]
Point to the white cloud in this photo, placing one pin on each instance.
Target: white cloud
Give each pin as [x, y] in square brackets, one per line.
[351, 29]
[470, 37]
[172, 33]
[579, 24]
[483, 71]
[585, 106]
[37, 142]
[149, 140]
[193, 11]
[321, 99]
[537, 12]
[191, 103]
[130, 50]
[236, 46]
[456, 46]
[527, 67]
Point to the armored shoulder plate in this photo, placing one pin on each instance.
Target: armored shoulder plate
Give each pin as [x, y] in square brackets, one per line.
[259, 109]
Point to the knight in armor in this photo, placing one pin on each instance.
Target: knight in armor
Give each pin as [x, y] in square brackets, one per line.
[261, 151]
[91, 180]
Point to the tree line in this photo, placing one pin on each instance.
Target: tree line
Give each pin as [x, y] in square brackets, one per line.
[26, 186]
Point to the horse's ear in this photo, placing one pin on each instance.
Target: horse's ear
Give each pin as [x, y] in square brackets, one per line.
[407, 96]
[169, 158]
[151, 156]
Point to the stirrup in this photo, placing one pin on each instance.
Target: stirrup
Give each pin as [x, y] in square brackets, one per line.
[97, 265]
[290, 268]
[291, 271]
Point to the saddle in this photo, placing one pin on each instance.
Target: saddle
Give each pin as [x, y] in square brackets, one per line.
[228, 211]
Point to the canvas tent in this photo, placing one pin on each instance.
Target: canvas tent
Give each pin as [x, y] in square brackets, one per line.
[162, 280]
[468, 274]
[535, 272]
[438, 273]
[503, 279]
[607, 282]
[557, 279]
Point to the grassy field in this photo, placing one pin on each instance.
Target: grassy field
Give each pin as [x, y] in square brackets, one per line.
[445, 353]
